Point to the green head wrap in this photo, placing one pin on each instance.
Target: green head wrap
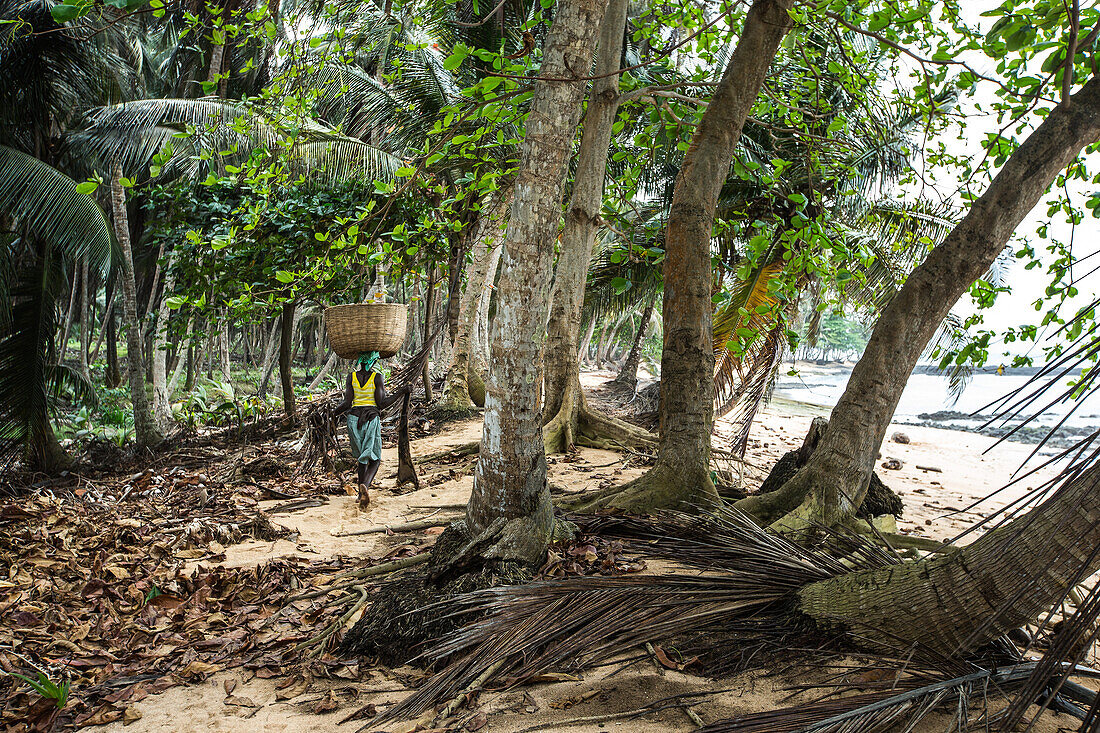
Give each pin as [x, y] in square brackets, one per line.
[367, 360]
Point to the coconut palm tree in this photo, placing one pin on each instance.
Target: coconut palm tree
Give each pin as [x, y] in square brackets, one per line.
[48, 72]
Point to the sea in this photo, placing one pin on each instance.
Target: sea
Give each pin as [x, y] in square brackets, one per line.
[928, 401]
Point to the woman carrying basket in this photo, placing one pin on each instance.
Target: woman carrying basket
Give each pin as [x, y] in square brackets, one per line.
[364, 399]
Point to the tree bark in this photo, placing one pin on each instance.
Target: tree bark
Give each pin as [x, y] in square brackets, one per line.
[628, 375]
[960, 601]
[269, 357]
[429, 308]
[70, 314]
[286, 343]
[510, 502]
[681, 475]
[329, 364]
[479, 369]
[835, 480]
[112, 377]
[145, 427]
[85, 319]
[162, 403]
[565, 410]
[456, 397]
[183, 353]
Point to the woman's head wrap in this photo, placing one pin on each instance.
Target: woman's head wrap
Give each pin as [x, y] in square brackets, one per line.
[367, 360]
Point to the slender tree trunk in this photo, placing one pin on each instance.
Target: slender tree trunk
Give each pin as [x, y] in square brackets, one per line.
[162, 402]
[112, 377]
[510, 503]
[834, 481]
[479, 371]
[681, 475]
[429, 308]
[325, 370]
[960, 601]
[109, 302]
[582, 352]
[70, 314]
[145, 427]
[183, 351]
[456, 390]
[582, 220]
[286, 343]
[225, 369]
[269, 356]
[628, 375]
[85, 319]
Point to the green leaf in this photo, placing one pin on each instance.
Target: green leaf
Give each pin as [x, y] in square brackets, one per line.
[284, 277]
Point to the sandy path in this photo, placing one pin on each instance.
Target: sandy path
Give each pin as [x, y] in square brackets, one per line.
[967, 473]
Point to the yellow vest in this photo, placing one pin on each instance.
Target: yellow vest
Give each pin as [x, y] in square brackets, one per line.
[363, 394]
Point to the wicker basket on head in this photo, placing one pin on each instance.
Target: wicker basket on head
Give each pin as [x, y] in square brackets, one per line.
[353, 329]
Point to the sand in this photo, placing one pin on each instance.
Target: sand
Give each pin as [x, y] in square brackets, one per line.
[970, 467]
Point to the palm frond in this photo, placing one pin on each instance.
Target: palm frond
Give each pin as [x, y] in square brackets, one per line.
[47, 204]
[521, 631]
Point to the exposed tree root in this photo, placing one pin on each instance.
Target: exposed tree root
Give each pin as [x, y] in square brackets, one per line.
[662, 487]
[577, 424]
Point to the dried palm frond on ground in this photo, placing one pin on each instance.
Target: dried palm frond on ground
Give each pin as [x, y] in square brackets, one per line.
[749, 587]
[522, 631]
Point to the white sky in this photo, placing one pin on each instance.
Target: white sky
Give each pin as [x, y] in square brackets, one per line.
[1017, 307]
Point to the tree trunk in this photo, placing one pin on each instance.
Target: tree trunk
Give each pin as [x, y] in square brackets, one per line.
[429, 308]
[225, 369]
[565, 411]
[112, 377]
[85, 319]
[582, 352]
[145, 427]
[628, 375]
[70, 314]
[962, 600]
[681, 475]
[183, 352]
[479, 368]
[162, 403]
[286, 343]
[269, 357]
[510, 503]
[329, 364]
[840, 470]
[456, 397]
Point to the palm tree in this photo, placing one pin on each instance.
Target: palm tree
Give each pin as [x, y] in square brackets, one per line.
[48, 72]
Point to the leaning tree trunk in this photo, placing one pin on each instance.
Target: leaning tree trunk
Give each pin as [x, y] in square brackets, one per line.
[145, 427]
[835, 479]
[510, 503]
[962, 600]
[681, 475]
[286, 353]
[628, 375]
[429, 317]
[565, 411]
[162, 403]
[456, 398]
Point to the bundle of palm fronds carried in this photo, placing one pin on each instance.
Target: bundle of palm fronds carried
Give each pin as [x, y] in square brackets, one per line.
[744, 583]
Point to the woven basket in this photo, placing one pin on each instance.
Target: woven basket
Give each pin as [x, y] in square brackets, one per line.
[353, 329]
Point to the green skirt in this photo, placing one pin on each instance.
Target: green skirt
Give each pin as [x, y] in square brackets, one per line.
[366, 438]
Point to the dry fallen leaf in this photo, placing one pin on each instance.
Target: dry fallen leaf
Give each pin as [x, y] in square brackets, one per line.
[301, 683]
[229, 685]
[326, 704]
[130, 715]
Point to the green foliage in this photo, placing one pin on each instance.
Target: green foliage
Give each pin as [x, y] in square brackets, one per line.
[47, 688]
